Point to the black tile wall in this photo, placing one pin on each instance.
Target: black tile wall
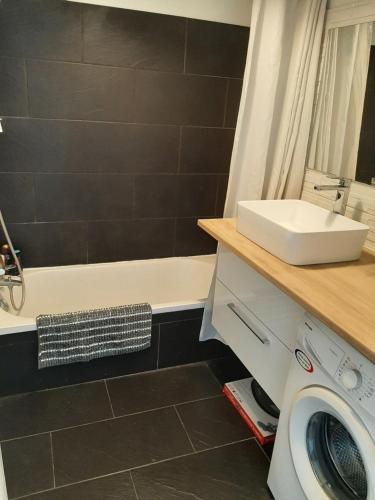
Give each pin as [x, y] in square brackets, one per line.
[13, 93]
[133, 39]
[216, 48]
[118, 129]
[46, 29]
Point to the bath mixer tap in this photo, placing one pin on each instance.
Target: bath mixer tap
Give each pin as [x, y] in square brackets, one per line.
[342, 193]
[7, 279]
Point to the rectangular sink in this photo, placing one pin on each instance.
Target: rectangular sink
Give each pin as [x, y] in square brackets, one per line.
[299, 232]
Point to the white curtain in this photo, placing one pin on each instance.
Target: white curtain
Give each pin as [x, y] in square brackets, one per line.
[269, 153]
[340, 97]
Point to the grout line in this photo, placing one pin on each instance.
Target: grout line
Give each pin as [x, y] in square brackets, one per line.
[263, 451]
[115, 417]
[158, 350]
[179, 150]
[109, 122]
[185, 44]
[183, 426]
[53, 460]
[226, 103]
[130, 469]
[26, 73]
[109, 399]
[133, 483]
[125, 68]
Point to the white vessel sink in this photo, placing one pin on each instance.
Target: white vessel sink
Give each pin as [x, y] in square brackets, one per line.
[299, 232]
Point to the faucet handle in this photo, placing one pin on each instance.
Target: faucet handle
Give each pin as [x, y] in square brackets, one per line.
[343, 181]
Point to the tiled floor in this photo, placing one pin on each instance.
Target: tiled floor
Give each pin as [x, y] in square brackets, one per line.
[161, 435]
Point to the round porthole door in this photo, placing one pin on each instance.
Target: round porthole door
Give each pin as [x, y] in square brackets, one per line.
[333, 452]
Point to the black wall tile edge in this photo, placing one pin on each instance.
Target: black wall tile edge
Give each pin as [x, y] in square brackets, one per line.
[18, 360]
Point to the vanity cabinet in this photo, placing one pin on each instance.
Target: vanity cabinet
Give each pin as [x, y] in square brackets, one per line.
[257, 320]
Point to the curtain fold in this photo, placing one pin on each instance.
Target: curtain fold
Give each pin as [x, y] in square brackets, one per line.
[340, 98]
[269, 152]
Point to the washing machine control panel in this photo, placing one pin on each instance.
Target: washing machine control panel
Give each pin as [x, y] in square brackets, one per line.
[356, 375]
[350, 369]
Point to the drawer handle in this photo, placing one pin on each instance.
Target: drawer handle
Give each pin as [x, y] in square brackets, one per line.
[245, 321]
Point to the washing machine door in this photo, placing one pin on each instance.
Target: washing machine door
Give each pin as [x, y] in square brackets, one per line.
[333, 452]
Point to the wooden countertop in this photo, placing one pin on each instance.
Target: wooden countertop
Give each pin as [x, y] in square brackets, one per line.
[341, 295]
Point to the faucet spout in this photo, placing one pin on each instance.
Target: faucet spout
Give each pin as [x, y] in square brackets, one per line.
[342, 189]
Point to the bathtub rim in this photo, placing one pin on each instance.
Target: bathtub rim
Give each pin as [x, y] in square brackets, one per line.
[10, 323]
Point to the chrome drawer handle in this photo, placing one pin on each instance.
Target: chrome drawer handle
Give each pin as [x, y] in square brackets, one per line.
[245, 320]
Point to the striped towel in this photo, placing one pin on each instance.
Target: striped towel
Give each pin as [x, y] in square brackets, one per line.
[85, 335]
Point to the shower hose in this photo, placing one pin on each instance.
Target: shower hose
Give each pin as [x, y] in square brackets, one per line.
[19, 268]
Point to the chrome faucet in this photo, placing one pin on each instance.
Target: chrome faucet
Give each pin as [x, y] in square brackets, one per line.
[342, 189]
[7, 279]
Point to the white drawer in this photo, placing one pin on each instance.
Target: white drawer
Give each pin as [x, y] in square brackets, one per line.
[269, 304]
[260, 351]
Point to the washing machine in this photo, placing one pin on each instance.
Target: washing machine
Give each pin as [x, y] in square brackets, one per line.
[325, 443]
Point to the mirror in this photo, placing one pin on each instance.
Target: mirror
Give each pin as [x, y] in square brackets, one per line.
[342, 134]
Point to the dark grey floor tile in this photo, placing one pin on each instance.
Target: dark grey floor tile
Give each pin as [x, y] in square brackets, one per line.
[38, 145]
[114, 487]
[212, 422]
[192, 240]
[17, 197]
[69, 197]
[28, 464]
[179, 99]
[216, 48]
[161, 388]
[43, 411]
[13, 91]
[233, 102]
[114, 445]
[235, 472]
[179, 344]
[48, 29]
[80, 91]
[132, 239]
[134, 39]
[51, 244]
[206, 150]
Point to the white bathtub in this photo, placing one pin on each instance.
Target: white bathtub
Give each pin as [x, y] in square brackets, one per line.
[170, 284]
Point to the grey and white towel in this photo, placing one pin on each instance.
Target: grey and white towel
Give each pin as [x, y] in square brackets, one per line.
[85, 335]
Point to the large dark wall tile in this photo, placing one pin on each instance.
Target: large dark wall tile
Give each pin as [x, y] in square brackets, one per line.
[216, 48]
[179, 344]
[55, 244]
[233, 102]
[118, 129]
[80, 91]
[17, 197]
[28, 465]
[137, 39]
[132, 239]
[38, 145]
[196, 195]
[83, 196]
[13, 93]
[206, 150]
[192, 240]
[180, 99]
[49, 29]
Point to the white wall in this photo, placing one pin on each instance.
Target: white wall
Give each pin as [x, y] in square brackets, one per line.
[223, 11]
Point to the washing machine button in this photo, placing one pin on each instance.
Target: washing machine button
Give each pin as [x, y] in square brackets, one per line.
[351, 379]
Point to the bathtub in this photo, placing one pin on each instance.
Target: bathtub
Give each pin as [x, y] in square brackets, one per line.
[170, 284]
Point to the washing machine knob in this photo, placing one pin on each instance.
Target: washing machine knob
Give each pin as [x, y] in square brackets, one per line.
[351, 379]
